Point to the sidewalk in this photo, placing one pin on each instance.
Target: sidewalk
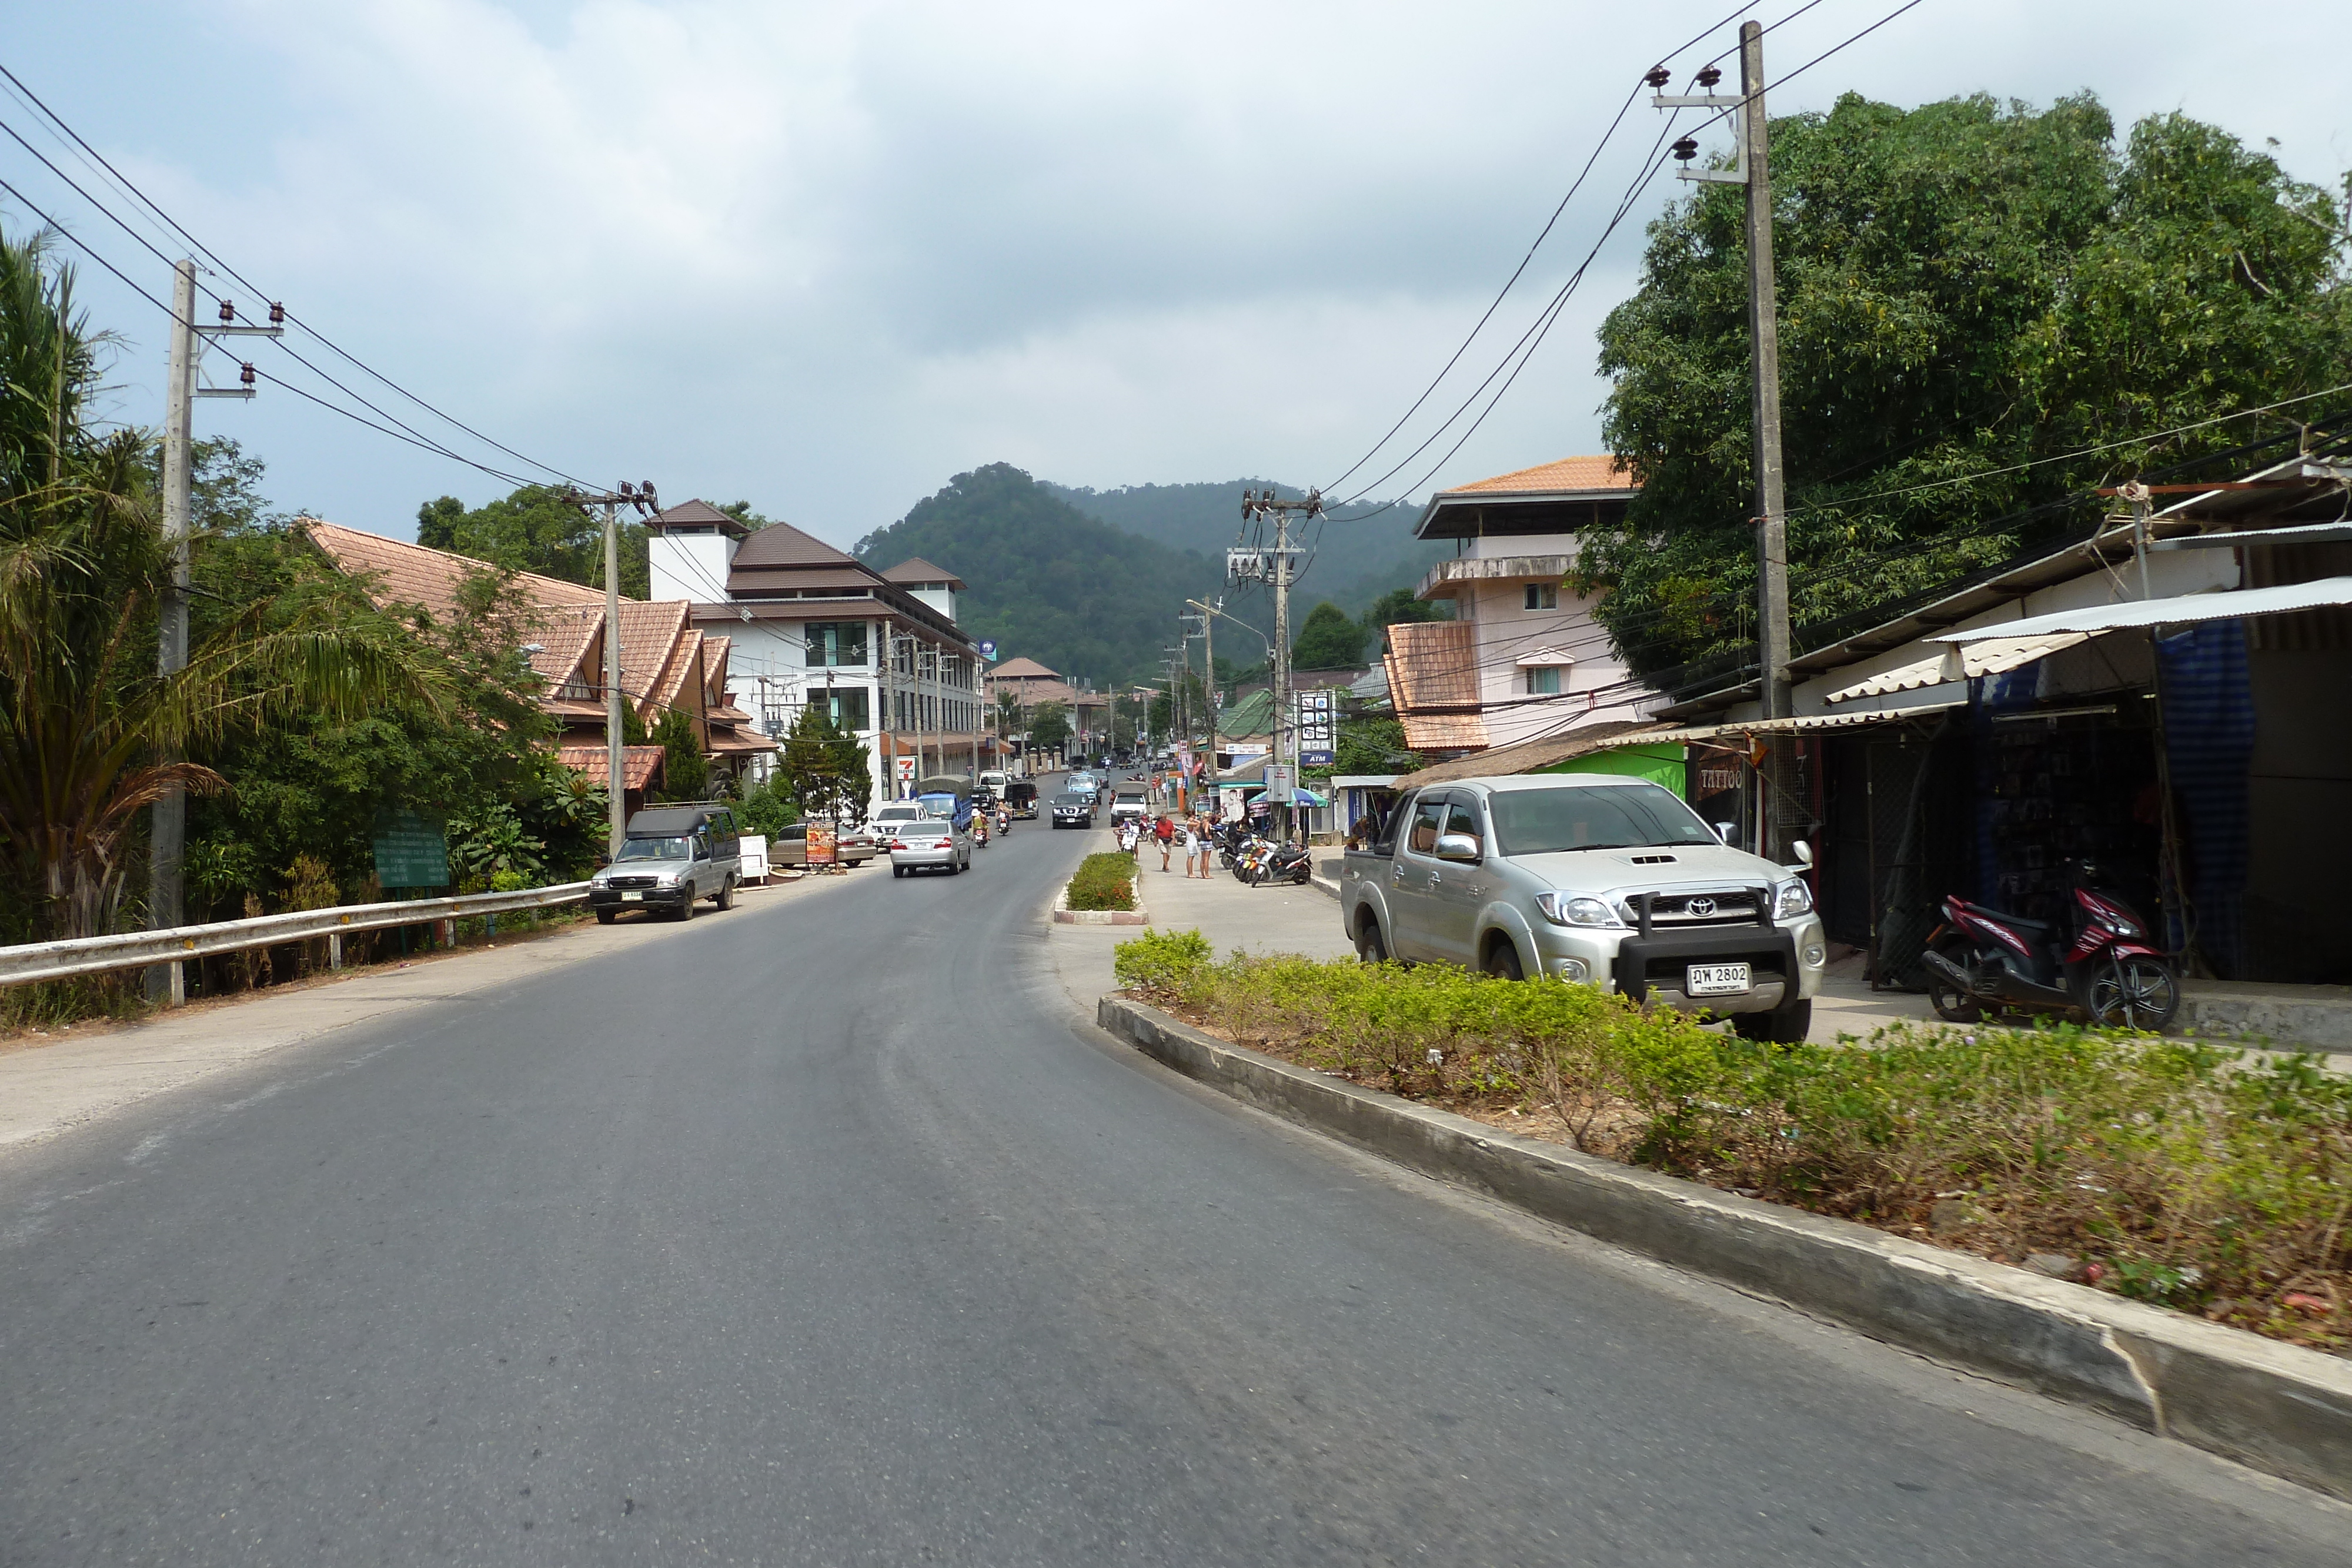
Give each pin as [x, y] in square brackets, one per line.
[1272, 919]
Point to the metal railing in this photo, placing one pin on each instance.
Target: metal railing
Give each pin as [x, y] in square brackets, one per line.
[138, 949]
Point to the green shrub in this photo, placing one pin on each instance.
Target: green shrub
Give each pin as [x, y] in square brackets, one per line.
[1104, 882]
[2171, 1171]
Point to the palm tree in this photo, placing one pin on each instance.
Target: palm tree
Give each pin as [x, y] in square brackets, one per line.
[90, 732]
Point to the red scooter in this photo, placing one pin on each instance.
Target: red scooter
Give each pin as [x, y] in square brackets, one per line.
[2102, 966]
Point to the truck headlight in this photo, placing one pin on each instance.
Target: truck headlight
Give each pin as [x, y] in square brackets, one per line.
[1792, 899]
[1575, 909]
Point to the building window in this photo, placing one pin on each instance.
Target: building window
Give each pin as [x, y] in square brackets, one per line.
[833, 644]
[845, 705]
[1543, 680]
[1543, 595]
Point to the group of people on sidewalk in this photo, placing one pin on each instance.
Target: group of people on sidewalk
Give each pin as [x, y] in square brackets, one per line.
[1171, 834]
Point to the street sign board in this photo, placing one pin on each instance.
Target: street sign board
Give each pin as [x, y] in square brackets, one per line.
[1316, 716]
[988, 650]
[411, 850]
[820, 841]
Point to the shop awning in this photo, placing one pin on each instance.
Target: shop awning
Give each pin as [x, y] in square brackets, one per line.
[2008, 644]
[1803, 724]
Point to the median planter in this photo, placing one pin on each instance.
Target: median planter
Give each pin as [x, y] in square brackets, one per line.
[1101, 893]
[2277, 1407]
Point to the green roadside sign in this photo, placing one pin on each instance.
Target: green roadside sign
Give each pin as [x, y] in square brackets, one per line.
[410, 850]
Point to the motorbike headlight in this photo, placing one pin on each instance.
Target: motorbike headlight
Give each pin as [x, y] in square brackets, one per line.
[1792, 899]
[2120, 925]
[1574, 909]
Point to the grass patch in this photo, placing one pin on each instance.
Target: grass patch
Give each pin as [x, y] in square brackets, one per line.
[2172, 1172]
[1104, 882]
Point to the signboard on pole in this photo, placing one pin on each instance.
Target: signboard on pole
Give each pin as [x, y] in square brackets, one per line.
[1281, 783]
[820, 841]
[1316, 715]
[905, 773]
[411, 850]
[988, 650]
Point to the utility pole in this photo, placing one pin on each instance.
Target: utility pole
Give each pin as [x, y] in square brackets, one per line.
[1752, 168]
[168, 818]
[616, 771]
[1279, 570]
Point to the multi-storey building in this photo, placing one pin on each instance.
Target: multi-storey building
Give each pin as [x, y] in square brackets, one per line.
[1523, 656]
[878, 651]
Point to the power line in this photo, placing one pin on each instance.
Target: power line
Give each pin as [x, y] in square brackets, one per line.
[142, 198]
[1520, 270]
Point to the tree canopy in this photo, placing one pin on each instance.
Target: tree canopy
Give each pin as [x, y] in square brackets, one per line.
[1965, 288]
[1327, 640]
[535, 529]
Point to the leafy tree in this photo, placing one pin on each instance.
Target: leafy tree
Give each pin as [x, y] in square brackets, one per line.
[824, 771]
[767, 807]
[1049, 727]
[686, 772]
[535, 529]
[90, 733]
[1327, 641]
[1372, 745]
[1964, 287]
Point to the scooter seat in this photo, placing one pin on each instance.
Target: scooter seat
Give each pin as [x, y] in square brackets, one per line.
[2017, 922]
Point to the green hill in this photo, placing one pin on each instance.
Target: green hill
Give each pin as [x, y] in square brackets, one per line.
[1047, 581]
[1352, 564]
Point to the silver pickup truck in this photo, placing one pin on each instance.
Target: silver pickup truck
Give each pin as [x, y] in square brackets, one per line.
[1590, 877]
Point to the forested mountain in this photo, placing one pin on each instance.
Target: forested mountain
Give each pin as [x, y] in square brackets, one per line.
[1352, 564]
[1047, 581]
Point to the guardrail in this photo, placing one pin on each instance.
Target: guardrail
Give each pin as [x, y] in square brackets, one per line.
[138, 949]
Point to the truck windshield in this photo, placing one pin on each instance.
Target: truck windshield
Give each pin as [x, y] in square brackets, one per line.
[655, 850]
[1609, 817]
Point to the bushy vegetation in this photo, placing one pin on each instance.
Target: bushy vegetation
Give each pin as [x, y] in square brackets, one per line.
[1104, 882]
[2172, 1172]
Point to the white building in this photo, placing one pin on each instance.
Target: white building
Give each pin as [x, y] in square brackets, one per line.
[1523, 656]
[812, 624]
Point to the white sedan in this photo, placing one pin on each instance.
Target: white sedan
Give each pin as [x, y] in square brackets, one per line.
[933, 842]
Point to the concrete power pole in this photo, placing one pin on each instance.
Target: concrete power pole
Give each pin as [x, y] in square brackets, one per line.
[1279, 570]
[616, 774]
[1752, 170]
[168, 818]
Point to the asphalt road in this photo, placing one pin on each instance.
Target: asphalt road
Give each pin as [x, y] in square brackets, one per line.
[827, 1233]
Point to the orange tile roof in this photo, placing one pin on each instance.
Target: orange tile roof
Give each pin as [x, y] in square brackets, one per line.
[1023, 670]
[1432, 664]
[414, 574]
[637, 763]
[1603, 473]
[1445, 731]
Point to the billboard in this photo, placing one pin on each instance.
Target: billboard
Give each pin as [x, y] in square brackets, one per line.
[1315, 718]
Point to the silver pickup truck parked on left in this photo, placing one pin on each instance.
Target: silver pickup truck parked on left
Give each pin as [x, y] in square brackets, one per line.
[1595, 878]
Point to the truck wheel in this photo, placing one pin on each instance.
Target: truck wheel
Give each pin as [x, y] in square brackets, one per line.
[1781, 1026]
[686, 905]
[1369, 947]
[727, 893]
[1503, 961]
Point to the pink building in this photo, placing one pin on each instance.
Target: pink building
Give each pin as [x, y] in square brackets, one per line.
[1523, 657]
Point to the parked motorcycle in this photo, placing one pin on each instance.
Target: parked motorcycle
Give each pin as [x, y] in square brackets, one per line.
[1285, 863]
[2101, 964]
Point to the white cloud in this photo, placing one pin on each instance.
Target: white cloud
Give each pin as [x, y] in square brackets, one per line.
[825, 255]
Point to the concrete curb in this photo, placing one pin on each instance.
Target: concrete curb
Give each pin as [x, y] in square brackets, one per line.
[1063, 914]
[2276, 1408]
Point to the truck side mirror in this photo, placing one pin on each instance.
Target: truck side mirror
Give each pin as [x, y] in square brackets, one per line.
[1728, 833]
[1456, 847]
[1803, 851]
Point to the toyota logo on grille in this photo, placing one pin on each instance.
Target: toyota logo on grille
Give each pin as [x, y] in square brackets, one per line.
[1700, 908]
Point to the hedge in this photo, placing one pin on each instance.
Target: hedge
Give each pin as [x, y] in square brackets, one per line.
[2175, 1172]
[1104, 882]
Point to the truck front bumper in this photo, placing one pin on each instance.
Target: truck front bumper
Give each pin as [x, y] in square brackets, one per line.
[638, 897]
[1784, 962]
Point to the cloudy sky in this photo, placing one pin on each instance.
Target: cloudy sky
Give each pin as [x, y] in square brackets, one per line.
[825, 255]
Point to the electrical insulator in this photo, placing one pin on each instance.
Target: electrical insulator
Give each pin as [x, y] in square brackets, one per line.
[245, 374]
[276, 314]
[1708, 76]
[1658, 78]
[228, 312]
[1686, 149]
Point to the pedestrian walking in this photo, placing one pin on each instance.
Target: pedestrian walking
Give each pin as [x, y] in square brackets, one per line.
[1165, 832]
[1197, 846]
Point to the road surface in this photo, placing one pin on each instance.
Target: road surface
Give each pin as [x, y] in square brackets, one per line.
[830, 1233]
